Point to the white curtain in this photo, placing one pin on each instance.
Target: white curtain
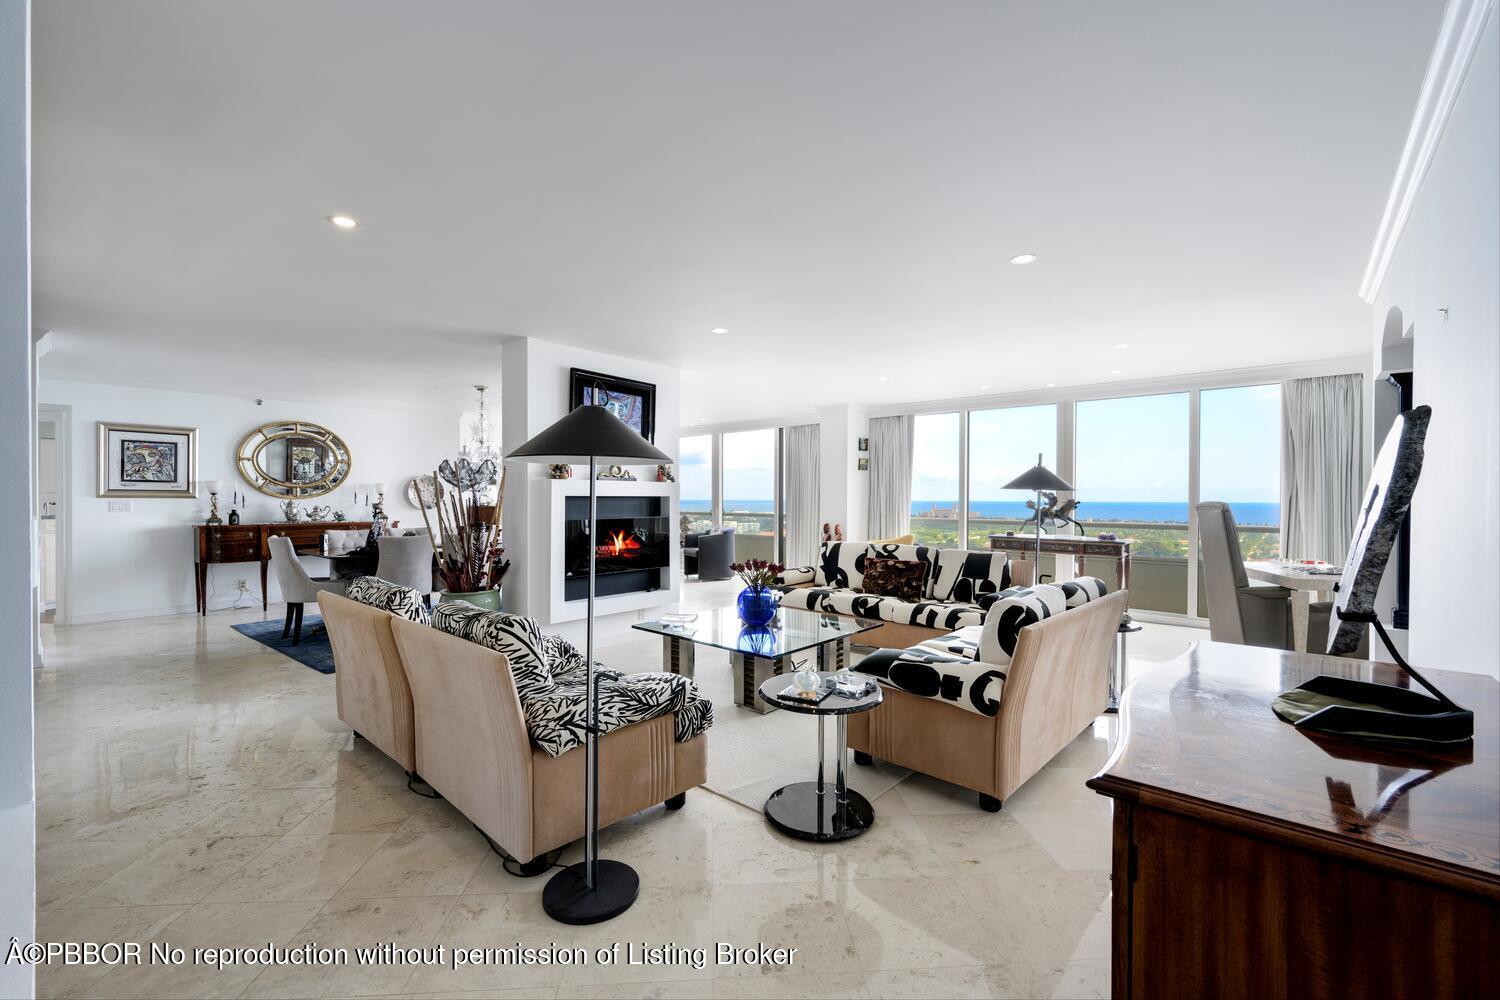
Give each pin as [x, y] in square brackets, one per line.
[890, 475]
[1322, 458]
[803, 506]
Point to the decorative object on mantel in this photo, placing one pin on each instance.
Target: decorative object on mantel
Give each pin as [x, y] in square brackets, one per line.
[213, 502]
[617, 472]
[470, 560]
[1355, 709]
[664, 474]
[633, 402]
[559, 471]
[757, 602]
[1039, 479]
[147, 460]
[592, 890]
[308, 460]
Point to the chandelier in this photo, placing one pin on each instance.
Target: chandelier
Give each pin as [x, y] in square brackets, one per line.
[478, 458]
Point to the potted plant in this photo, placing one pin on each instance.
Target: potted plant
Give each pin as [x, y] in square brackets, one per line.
[757, 602]
[470, 560]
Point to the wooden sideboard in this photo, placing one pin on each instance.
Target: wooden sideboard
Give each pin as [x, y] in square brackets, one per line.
[1254, 860]
[1079, 547]
[242, 543]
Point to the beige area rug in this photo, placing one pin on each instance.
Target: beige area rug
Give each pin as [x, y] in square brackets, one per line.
[751, 755]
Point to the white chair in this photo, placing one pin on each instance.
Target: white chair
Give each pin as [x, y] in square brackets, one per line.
[342, 541]
[1250, 614]
[297, 587]
[406, 560]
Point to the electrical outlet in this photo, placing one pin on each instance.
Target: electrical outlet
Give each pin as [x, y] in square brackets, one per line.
[242, 585]
[120, 506]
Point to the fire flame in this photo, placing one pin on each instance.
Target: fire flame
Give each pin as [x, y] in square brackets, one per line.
[620, 542]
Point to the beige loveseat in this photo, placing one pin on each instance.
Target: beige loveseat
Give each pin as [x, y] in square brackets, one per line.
[1054, 686]
[473, 747]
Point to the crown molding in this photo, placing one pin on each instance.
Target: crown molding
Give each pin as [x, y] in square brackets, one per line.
[1464, 22]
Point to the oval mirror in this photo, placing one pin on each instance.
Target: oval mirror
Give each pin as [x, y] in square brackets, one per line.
[293, 459]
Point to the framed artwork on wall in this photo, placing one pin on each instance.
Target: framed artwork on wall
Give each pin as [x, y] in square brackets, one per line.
[146, 460]
[633, 402]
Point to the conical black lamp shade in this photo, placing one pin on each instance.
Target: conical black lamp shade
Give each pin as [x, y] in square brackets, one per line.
[590, 432]
[1038, 477]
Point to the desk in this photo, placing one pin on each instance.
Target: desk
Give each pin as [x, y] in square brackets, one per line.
[242, 543]
[1303, 585]
[1077, 546]
[1255, 860]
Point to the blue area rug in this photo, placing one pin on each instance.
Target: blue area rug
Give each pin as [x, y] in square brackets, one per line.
[313, 651]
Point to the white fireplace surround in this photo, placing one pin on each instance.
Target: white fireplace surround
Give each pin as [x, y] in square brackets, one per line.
[548, 541]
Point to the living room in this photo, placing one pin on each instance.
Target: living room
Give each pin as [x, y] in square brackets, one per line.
[771, 500]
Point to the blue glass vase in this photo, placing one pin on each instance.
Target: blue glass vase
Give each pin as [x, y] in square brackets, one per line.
[757, 606]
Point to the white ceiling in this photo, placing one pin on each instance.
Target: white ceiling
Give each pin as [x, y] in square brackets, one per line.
[841, 184]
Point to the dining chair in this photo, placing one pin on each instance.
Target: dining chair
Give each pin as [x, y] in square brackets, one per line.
[1239, 611]
[344, 540]
[406, 560]
[297, 587]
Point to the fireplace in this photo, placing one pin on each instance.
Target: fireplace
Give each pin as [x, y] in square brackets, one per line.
[633, 546]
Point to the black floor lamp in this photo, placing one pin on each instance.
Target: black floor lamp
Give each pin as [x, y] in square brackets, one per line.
[1038, 478]
[591, 890]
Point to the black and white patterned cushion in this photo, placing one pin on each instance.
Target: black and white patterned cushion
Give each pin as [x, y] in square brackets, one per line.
[963, 643]
[964, 577]
[1081, 590]
[519, 638]
[842, 564]
[945, 615]
[404, 602]
[834, 600]
[556, 707]
[964, 683]
[1009, 615]
[792, 576]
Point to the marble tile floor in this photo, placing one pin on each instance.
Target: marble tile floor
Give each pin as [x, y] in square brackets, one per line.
[197, 788]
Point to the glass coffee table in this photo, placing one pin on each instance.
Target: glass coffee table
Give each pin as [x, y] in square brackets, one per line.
[758, 653]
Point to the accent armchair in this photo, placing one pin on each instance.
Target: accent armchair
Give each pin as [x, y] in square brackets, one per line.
[297, 587]
[709, 555]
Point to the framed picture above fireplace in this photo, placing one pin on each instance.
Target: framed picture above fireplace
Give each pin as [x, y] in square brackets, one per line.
[633, 402]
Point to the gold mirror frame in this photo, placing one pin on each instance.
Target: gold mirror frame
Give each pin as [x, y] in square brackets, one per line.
[248, 457]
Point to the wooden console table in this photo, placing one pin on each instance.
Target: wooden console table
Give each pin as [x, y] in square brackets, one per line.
[1077, 546]
[1255, 860]
[242, 543]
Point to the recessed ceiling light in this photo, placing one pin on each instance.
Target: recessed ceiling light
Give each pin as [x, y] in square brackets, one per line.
[1114, 371]
[1052, 385]
[1023, 258]
[1122, 347]
[344, 221]
[881, 378]
[984, 387]
[719, 330]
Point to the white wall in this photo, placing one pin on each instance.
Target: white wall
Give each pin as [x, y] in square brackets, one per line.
[534, 393]
[17, 780]
[844, 490]
[127, 565]
[1448, 258]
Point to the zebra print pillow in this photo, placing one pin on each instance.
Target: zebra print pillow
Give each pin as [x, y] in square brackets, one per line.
[516, 636]
[1006, 618]
[404, 602]
[551, 678]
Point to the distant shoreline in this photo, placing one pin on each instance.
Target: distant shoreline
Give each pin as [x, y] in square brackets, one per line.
[1248, 513]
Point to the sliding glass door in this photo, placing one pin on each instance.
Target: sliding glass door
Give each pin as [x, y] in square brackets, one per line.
[936, 452]
[750, 490]
[695, 478]
[1004, 443]
[1239, 447]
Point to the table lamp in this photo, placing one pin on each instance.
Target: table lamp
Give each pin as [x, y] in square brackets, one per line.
[1038, 478]
[212, 485]
[592, 890]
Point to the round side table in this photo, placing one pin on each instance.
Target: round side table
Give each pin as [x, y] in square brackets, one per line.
[811, 810]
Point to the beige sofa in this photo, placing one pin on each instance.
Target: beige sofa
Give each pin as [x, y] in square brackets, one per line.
[1056, 686]
[472, 746]
[374, 698]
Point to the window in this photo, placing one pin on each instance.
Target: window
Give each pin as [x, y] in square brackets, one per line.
[1002, 445]
[750, 492]
[1132, 479]
[695, 476]
[1239, 448]
[934, 479]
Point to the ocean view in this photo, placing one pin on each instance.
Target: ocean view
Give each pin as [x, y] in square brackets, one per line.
[1245, 512]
